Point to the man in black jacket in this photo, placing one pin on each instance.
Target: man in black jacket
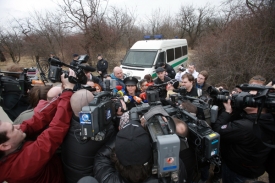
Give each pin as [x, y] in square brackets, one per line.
[78, 155]
[162, 79]
[243, 153]
[128, 158]
[169, 69]
[75, 62]
[102, 66]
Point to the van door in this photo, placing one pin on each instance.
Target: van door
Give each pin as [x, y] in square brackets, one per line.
[161, 59]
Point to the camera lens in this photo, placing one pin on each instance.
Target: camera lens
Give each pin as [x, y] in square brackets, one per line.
[223, 98]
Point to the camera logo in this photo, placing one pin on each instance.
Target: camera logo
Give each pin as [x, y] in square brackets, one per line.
[85, 117]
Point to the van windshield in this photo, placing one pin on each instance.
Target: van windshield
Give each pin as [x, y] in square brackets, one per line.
[140, 58]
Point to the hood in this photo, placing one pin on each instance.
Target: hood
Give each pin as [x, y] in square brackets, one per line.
[265, 127]
[114, 77]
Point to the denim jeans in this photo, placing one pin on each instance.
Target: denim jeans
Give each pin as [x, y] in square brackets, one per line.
[229, 176]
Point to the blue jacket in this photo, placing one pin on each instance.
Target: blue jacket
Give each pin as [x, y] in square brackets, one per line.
[118, 81]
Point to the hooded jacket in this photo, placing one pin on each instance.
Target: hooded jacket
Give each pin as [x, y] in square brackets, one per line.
[36, 161]
[241, 150]
[118, 81]
[105, 171]
[78, 156]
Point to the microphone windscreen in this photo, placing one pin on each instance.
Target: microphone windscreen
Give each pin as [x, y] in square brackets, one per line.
[87, 68]
[119, 87]
[149, 84]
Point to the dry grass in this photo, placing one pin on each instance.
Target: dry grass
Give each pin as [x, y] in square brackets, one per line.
[25, 62]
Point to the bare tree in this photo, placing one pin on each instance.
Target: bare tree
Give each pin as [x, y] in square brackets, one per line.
[192, 22]
[82, 15]
[12, 43]
[242, 49]
[121, 23]
[2, 56]
[155, 22]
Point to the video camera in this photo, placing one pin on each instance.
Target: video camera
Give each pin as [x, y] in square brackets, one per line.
[265, 96]
[181, 68]
[162, 129]
[13, 90]
[55, 70]
[98, 115]
[157, 90]
[205, 110]
[202, 137]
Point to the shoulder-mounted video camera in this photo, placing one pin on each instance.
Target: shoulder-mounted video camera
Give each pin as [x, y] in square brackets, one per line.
[55, 70]
[13, 90]
[98, 115]
[162, 129]
[202, 137]
[265, 96]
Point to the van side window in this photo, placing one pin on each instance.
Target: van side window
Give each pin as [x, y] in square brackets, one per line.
[170, 55]
[184, 50]
[161, 58]
[178, 52]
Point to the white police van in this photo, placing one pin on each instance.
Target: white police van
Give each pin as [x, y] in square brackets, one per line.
[144, 56]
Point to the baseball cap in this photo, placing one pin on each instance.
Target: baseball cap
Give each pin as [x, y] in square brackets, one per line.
[160, 69]
[75, 55]
[133, 146]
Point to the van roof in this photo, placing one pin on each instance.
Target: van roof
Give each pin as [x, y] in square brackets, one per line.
[158, 44]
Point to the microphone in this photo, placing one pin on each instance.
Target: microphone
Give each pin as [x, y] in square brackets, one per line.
[119, 87]
[137, 99]
[54, 61]
[87, 68]
[37, 82]
[119, 90]
[150, 84]
[88, 87]
[143, 96]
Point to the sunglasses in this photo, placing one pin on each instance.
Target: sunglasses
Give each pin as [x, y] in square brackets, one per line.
[258, 78]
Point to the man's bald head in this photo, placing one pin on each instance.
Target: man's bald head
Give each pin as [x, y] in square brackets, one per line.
[80, 99]
[118, 72]
[54, 92]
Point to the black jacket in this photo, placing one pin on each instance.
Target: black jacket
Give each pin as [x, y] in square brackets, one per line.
[105, 171]
[95, 79]
[170, 71]
[77, 155]
[74, 63]
[162, 93]
[241, 150]
[102, 65]
[193, 92]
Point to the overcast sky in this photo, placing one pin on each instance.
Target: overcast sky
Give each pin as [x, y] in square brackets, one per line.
[10, 9]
